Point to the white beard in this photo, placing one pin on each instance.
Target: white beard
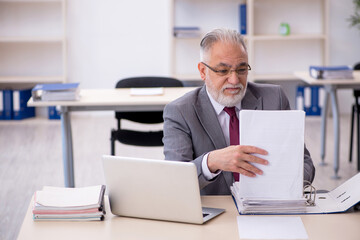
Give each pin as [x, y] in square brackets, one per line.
[227, 101]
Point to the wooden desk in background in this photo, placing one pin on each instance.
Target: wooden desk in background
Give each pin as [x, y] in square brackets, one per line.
[104, 100]
[224, 226]
[331, 86]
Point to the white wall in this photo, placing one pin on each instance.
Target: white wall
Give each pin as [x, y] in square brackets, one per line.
[111, 39]
[344, 44]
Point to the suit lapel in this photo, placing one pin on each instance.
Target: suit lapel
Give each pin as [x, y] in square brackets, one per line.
[250, 101]
[208, 119]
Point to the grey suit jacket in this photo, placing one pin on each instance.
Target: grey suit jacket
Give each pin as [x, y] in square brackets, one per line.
[191, 129]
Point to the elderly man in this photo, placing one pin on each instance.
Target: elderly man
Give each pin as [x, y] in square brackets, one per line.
[196, 126]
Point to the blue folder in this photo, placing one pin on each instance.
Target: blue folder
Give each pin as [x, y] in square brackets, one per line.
[20, 108]
[53, 113]
[242, 12]
[6, 112]
[314, 109]
[55, 86]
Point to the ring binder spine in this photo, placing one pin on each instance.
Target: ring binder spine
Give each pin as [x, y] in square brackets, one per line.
[309, 192]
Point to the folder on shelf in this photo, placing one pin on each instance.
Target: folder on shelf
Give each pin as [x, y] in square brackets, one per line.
[56, 92]
[2, 112]
[315, 103]
[20, 108]
[187, 32]
[331, 72]
[308, 98]
[6, 102]
[242, 18]
[54, 112]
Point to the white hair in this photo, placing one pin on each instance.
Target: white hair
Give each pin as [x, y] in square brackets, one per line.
[220, 35]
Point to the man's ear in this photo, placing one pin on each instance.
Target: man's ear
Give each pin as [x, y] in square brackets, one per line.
[202, 70]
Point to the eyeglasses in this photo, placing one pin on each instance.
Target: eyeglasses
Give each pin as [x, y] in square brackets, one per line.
[225, 71]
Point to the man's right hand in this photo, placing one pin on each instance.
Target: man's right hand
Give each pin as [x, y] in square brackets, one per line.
[237, 158]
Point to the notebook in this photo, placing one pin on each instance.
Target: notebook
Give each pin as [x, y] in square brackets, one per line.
[155, 189]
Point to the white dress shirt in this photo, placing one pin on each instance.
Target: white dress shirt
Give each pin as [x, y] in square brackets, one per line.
[224, 120]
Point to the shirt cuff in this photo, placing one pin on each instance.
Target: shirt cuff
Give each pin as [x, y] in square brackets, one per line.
[206, 171]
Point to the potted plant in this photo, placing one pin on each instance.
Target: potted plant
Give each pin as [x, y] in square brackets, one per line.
[355, 22]
[355, 18]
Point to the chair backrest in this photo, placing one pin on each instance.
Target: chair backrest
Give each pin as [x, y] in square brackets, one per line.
[357, 66]
[143, 82]
[357, 91]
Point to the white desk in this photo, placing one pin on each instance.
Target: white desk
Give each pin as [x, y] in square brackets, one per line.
[330, 87]
[104, 100]
[324, 226]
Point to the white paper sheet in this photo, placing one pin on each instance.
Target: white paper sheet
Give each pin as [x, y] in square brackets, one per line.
[146, 91]
[281, 134]
[269, 227]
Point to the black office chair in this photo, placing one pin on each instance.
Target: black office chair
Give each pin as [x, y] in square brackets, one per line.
[140, 138]
[355, 109]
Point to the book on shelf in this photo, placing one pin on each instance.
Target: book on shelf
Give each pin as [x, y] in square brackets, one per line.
[331, 72]
[242, 17]
[187, 32]
[56, 92]
[72, 204]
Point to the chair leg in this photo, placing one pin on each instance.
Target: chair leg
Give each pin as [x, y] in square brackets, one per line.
[358, 135]
[113, 148]
[112, 140]
[351, 133]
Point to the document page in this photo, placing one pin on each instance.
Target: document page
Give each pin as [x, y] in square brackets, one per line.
[69, 197]
[146, 91]
[260, 227]
[281, 134]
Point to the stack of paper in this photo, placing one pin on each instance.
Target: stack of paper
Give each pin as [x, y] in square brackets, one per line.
[261, 205]
[56, 92]
[280, 188]
[335, 72]
[55, 203]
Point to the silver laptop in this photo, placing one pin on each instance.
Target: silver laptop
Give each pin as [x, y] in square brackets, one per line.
[155, 189]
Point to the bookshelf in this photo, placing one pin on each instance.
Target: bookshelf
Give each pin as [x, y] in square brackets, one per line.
[273, 57]
[205, 14]
[32, 42]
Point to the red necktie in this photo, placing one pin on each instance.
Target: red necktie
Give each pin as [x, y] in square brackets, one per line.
[234, 131]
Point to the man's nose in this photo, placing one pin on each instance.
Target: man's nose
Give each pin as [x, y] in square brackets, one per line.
[233, 78]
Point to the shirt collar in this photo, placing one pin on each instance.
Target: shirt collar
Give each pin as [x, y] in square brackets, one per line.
[217, 106]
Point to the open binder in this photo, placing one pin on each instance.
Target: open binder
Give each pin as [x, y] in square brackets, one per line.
[280, 189]
[338, 200]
